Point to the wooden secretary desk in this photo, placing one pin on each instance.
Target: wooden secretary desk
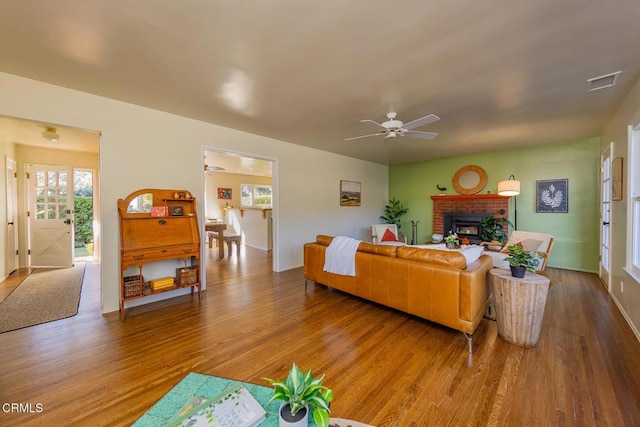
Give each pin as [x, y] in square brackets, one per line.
[158, 225]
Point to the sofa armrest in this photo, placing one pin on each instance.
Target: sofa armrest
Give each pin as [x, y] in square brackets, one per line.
[474, 289]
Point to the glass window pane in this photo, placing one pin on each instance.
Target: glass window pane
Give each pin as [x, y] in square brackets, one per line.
[51, 211]
[62, 179]
[52, 178]
[51, 195]
[39, 179]
[62, 209]
[39, 195]
[39, 211]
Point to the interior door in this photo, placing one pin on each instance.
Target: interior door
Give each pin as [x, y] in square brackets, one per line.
[50, 216]
[12, 218]
[605, 216]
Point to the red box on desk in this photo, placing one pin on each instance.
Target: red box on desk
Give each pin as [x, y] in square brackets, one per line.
[159, 211]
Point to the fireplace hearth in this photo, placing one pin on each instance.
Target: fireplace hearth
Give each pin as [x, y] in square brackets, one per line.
[465, 224]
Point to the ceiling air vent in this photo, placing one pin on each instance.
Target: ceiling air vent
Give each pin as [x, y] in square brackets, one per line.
[602, 82]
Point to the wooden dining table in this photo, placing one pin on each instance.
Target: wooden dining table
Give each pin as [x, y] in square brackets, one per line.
[219, 228]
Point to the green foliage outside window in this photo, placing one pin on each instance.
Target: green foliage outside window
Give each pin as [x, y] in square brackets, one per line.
[83, 207]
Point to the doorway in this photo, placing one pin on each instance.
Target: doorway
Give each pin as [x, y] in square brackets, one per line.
[84, 215]
[605, 216]
[241, 191]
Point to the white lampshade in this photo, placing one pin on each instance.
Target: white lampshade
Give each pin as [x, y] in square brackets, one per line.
[510, 187]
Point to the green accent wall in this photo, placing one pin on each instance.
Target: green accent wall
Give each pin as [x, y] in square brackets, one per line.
[576, 232]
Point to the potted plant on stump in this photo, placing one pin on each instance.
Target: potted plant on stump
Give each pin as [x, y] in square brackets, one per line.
[301, 394]
[520, 260]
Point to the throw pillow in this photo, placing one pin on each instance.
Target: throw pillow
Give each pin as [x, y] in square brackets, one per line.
[388, 236]
[530, 245]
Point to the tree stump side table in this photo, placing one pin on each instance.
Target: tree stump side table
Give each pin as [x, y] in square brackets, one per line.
[519, 305]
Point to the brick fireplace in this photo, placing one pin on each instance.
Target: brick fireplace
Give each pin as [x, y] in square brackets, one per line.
[463, 203]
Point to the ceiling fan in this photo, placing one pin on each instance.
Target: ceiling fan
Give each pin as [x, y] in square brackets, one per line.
[209, 170]
[392, 128]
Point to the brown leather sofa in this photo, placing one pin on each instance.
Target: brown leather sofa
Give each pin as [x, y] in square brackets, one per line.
[432, 284]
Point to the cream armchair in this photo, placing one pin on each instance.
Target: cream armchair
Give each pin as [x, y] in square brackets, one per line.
[531, 241]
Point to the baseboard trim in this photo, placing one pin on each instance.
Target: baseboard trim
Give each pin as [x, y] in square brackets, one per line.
[626, 317]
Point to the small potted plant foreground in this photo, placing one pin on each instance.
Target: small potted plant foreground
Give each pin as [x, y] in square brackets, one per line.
[301, 394]
[520, 260]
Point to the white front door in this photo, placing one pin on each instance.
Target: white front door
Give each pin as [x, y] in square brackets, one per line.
[605, 216]
[12, 218]
[50, 216]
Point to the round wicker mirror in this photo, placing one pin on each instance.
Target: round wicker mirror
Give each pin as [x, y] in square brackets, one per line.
[469, 179]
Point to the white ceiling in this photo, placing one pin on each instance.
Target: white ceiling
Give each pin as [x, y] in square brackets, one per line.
[499, 73]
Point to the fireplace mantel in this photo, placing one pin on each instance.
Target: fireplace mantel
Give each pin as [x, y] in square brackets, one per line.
[468, 197]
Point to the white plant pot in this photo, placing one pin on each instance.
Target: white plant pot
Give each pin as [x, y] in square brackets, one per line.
[304, 422]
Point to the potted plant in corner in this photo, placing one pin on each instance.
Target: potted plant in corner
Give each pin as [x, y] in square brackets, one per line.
[493, 233]
[301, 394]
[520, 260]
[393, 211]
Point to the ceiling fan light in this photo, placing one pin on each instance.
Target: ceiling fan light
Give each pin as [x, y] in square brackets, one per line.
[50, 134]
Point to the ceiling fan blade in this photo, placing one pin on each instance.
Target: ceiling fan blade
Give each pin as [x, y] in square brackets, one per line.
[375, 123]
[421, 122]
[418, 134]
[363, 136]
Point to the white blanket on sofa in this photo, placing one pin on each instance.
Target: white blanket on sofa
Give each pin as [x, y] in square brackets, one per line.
[340, 256]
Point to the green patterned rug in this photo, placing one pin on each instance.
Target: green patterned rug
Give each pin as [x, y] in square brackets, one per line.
[205, 386]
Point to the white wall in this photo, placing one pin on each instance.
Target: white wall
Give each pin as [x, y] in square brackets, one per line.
[616, 132]
[144, 148]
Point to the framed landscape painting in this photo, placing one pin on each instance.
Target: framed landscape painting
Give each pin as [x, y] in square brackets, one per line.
[349, 193]
[552, 195]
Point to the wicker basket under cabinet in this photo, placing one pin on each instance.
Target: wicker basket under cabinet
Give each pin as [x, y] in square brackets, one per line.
[186, 275]
[133, 286]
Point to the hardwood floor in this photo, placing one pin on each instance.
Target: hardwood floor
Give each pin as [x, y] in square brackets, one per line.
[386, 368]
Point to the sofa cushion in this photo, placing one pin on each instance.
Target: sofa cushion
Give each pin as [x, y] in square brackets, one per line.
[450, 258]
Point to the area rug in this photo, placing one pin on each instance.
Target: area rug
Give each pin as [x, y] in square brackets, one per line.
[206, 386]
[46, 295]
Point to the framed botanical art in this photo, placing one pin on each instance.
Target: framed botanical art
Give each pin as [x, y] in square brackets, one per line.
[552, 195]
[616, 179]
[224, 193]
[349, 193]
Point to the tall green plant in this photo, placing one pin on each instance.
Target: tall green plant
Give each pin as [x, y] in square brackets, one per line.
[393, 211]
[492, 229]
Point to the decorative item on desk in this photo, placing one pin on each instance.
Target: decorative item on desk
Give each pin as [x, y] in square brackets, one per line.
[302, 393]
[133, 286]
[452, 240]
[186, 276]
[177, 211]
[161, 283]
[520, 260]
[159, 211]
